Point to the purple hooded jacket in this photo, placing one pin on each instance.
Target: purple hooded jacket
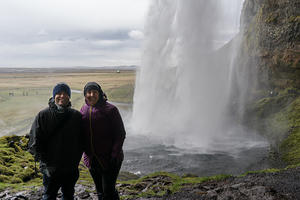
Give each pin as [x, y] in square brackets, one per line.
[105, 133]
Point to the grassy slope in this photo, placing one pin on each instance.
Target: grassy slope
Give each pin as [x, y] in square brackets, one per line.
[278, 118]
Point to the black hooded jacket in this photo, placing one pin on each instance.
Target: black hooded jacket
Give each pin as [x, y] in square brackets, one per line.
[56, 138]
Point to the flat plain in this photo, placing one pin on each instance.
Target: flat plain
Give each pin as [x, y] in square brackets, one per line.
[23, 94]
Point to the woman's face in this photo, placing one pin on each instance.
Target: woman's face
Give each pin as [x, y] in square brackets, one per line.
[92, 97]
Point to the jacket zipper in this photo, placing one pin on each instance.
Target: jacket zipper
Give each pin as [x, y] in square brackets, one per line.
[91, 131]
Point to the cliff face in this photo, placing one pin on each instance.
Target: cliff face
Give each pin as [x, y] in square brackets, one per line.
[269, 58]
[272, 37]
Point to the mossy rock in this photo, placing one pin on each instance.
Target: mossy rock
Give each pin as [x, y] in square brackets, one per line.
[290, 146]
[16, 164]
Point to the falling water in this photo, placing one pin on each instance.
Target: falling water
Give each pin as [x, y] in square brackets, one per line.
[182, 87]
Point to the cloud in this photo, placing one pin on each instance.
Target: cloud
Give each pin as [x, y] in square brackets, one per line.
[64, 32]
[136, 34]
[42, 32]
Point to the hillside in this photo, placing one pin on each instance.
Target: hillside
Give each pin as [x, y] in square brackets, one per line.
[268, 65]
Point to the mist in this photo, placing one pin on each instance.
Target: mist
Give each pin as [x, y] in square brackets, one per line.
[183, 86]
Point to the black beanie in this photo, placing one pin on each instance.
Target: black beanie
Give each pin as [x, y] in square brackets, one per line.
[93, 86]
[61, 87]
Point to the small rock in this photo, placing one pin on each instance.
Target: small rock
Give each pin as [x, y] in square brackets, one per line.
[212, 195]
[237, 186]
[84, 195]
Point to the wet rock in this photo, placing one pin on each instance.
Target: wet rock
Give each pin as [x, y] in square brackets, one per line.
[237, 186]
[282, 185]
[212, 195]
[140, 186]
[84, 195]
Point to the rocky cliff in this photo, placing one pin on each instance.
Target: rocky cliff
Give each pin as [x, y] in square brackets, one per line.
[268, 66]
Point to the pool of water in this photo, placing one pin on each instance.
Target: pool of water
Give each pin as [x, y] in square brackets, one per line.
[143, 156]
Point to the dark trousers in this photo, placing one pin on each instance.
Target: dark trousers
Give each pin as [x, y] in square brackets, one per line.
[105, 180]
[60, 179]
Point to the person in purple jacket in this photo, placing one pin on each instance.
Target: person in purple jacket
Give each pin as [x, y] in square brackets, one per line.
[105, 134]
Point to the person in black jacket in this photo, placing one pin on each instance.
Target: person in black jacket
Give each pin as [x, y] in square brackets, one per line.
[56, 141]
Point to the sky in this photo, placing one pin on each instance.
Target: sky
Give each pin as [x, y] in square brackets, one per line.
[69, 33]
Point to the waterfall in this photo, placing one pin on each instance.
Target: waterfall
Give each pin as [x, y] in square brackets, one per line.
[183, 86]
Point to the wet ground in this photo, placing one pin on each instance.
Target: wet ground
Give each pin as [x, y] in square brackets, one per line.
[234, 155]
[146, 157]
[282, 185]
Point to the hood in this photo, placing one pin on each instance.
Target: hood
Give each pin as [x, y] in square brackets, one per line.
[100, 102]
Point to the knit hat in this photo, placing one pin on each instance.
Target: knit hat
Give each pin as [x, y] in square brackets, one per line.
[61, 87]
[92, 86]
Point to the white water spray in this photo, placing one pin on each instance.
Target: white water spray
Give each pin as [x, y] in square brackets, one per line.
[183, 85]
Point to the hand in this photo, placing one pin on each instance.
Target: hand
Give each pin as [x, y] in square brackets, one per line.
[49, 171]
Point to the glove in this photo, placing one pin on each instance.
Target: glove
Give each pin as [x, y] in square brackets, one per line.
[49, 171]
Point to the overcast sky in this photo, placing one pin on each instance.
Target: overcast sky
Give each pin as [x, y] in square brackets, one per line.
[66, 33]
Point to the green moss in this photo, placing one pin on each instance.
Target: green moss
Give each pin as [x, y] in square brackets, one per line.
[195, 180]
[279, 119]
[16, 164]
[20, 175]
[85, 177]
[290, 147]
[293, 19]
[126, 176]
[271, 18]
[271, 170]
[160, 183]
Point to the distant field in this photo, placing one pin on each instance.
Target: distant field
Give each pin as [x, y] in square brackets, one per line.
[23, 95]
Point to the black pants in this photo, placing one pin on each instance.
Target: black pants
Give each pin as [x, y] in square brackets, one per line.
[60, 179]
[105, 180]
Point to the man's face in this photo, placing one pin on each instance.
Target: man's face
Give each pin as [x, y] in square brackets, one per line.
[62, 98]
[92, 97]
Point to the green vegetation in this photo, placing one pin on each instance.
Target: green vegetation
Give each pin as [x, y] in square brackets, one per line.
[123, 93]
[271, 170]
[278, 118]
[161, 183]
[23, 98]
[17, 171]
[17, 168]
[290, 147]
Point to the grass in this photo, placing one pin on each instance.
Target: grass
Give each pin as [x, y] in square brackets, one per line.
[31, 92]
[290, 147]
[17, 172]
[161, 183]
[278, 118]
[16, 165]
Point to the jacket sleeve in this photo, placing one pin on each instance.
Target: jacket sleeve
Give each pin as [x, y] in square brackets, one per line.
[118, 132]
[36, 140]
[84, 135]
